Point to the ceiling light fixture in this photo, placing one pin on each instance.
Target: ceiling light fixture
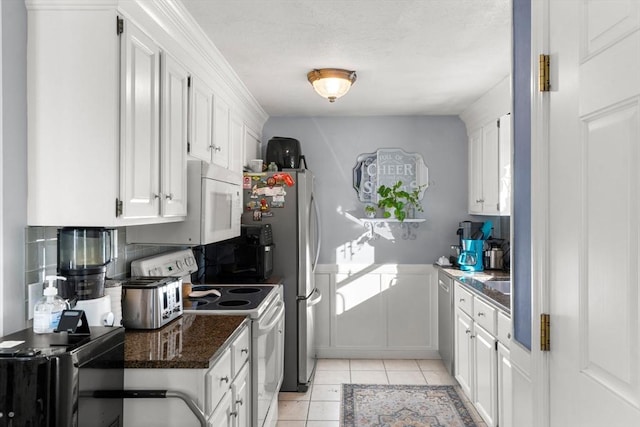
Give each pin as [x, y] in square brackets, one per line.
[331, 83]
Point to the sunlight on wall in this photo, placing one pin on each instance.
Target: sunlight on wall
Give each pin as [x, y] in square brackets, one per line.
[358, 284]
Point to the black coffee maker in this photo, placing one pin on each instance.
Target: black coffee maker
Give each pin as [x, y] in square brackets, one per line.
[83, 255]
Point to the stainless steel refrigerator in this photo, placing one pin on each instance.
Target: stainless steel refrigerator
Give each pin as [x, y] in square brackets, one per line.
[290, 207]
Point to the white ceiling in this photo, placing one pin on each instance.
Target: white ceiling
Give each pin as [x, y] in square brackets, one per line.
[412, 57]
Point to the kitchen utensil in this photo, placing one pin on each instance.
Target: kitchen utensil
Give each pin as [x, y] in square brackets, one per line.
[199, 294]
[486, 229]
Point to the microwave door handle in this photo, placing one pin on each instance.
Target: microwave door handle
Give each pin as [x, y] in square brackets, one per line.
[318, 232]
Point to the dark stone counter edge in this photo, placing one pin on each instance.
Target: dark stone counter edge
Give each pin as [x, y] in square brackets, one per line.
[186, 364]
[484, 297]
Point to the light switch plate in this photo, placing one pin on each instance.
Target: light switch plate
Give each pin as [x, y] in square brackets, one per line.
[35, 293]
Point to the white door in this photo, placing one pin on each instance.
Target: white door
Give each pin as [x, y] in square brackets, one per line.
[173, 138]
[490, 168]
[485, 375]
[594, 214]
[475, 172]
[140, 127]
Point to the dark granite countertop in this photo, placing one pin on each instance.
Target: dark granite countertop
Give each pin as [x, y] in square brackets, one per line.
[189, 342]
[484, 284]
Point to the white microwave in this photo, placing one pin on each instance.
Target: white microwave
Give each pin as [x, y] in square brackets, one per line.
[214, 208]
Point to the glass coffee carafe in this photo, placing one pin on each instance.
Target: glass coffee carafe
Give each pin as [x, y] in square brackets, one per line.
[83, 255]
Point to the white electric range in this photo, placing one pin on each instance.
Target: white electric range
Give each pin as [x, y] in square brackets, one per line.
[262, 303]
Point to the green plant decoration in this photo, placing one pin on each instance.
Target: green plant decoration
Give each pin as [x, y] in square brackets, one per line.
[398, 200]
[370, 211]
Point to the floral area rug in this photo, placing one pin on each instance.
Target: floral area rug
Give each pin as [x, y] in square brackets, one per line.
[368, 405]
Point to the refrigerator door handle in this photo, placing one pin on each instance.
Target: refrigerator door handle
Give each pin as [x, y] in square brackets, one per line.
[314, 300]
[318, 232]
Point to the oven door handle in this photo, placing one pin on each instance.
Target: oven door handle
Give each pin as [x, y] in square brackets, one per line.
[262, 330]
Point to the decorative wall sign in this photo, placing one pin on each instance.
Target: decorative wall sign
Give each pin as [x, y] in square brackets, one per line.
[386, 167]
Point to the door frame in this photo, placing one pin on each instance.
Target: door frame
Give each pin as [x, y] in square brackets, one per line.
[540, 221]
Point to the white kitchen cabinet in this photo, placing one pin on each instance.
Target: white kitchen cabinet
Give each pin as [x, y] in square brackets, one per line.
[252, 145]
[140, 124]
[241, 399]
[464, 351]
[485, 396]
[236, 141]
[200, 119]
[484, 170]
[220, 150]
[94, 109]
[482, 365]
[224, 399]
[173, 137]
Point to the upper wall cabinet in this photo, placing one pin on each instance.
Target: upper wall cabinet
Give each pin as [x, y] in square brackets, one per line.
[109, 114]
[95, 124]
[490, 168]
[173, 137]
[489, 130]
[200, 119]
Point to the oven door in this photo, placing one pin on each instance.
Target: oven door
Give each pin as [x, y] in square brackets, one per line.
[268, 360]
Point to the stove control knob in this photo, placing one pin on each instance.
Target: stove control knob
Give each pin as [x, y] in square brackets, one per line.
[180, 265]
[189, 261]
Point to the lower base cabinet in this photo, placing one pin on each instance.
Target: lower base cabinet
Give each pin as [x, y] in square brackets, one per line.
[234, 408]
[482, 364]
[222, 392]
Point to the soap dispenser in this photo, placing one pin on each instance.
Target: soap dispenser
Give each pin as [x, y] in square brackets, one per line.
[48, 310]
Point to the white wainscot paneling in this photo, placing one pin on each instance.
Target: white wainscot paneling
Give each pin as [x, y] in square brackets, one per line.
[377, 311]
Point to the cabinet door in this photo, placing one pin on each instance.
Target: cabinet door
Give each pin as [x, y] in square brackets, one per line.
[173, 138]
[220, 153]
[475, 172]
[242, 399]
[222, 417]
[236, 145]
[504, 165]
[252, 145]
[490, 179]
[140, 117]
[505, 402]
[485, 375]
[200, 119]
[464, 352]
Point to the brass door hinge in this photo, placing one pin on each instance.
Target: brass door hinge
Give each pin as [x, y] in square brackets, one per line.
[545, 334]
[544, 85]
[118, 207]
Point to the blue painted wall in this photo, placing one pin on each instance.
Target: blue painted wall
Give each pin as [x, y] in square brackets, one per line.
[521, 241]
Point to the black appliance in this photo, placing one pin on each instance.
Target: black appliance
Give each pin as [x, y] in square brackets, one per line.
[49, 380]
[248, 257]
[83, 255]
[284, 152]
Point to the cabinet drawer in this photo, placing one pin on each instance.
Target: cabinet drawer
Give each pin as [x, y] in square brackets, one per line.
[240, 351]
[464, 300]
[485, 315]
[217, 381]
[504, 329]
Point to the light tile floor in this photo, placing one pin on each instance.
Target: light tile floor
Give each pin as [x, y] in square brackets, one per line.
[320, 405]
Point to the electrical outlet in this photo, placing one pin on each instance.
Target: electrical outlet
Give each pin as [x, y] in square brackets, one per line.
[35, 293]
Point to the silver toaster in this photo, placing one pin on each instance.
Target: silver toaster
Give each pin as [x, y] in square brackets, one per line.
[151, 302]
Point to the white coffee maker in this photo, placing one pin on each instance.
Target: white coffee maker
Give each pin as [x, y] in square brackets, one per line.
[83, 255]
